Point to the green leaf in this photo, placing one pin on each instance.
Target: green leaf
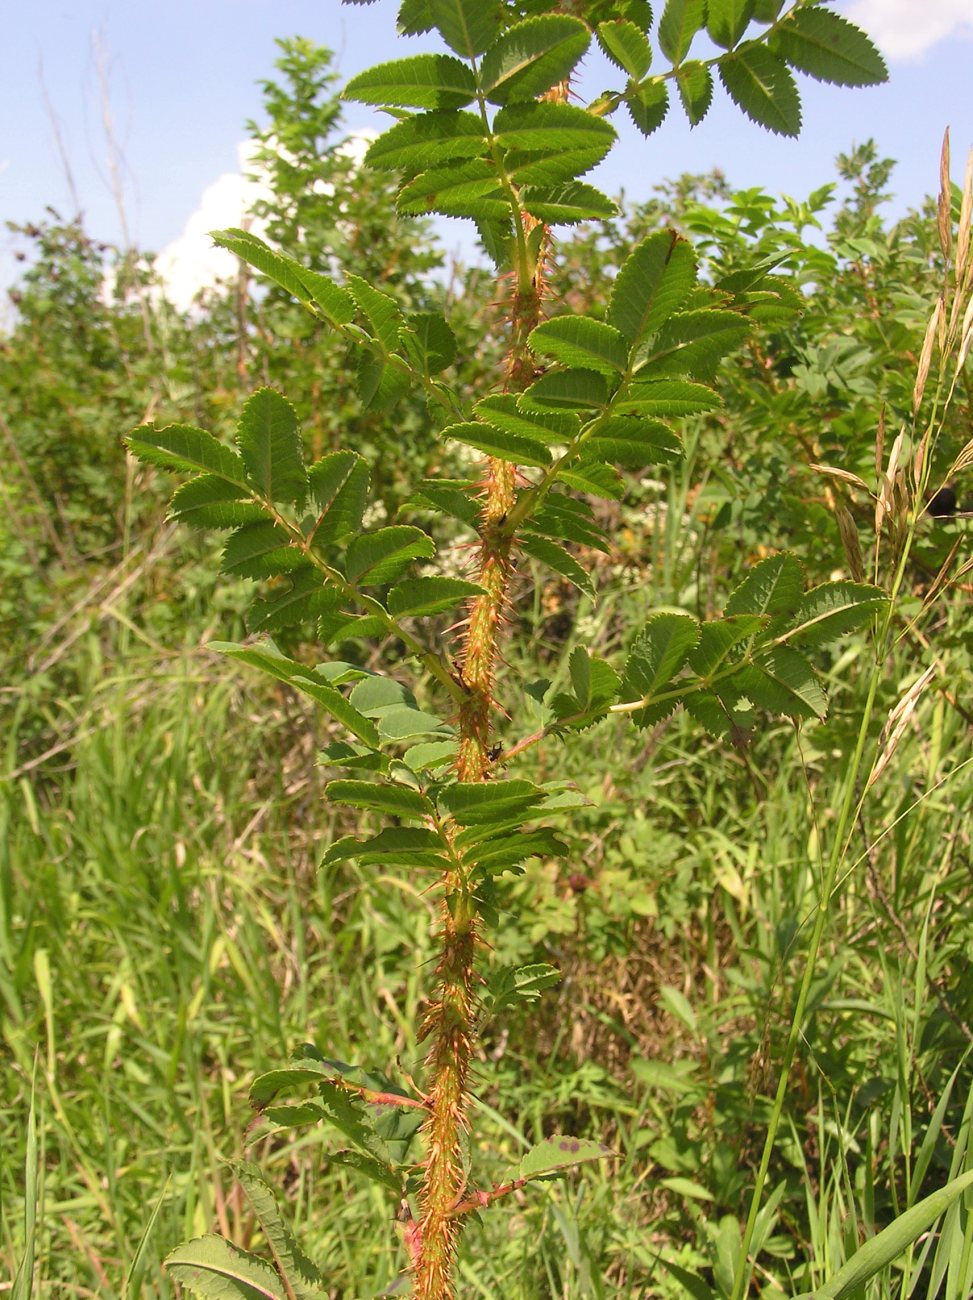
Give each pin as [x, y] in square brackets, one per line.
[423, 596]
[512, 447]
[890, 1243]
[403, 846]
[302, 1276]
[481, 803]
[566, 390]
[558, 559]
[424, 81]
[428, 139]
[512, 984]
[507, 851]
[415, 17]
[183, 447]
[718, 637]
[693, 343]
[464, 189]
[829, 48]
[762, 85]
[403, 723]
[532, 56]
[382, 556]
[260, 550]
[834, 609]
[557, 1153]
[430, 755]
[680, 21]
[633, 442]
[595, 682]
[209, 501]
[626, 46]
[593, 477]
[552, 428]
[429, 341]
[567, 204]
[647, 105]
[304, 596]
[773, 586]
[658, 653]
[583, 342]
[269, 659]
[695, 85]
[386, 797]
[213, 1269]
[652, 282]
[564, 518]
[270, 443]
[552, 129]
[727, 20]
[467, 26]
[339, 489]
[308, 287]
[795, 690]
[667, 397]
[381, 311]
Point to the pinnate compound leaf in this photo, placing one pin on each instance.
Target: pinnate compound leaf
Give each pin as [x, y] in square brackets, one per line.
[833, 610]
[551, 428]
[209, 501]
[727, 20]
[381, 311]
[567, 204]
[829, 48]
[213, 1269]
[480, 803]
[260, 550]
[423, 81]
[183, 447]
[428, 341]
[311, 288]
[626, 46]
[379, 796]
[762, 85]
[550, 129]
[269, 659]
[339, 489]
[652, 282]
[667, 397]
[558, 559]
[516, 448]
[428, 140]
[658, 653]
[555, 1154]
[382, 556]
[719, 637]
[532, 56]
[566, 390]
[467, 188]
[786, 684]
[583, 342]
[424, 596]
[773, 586]
[467, 26]
[303, 1277]
[403, 846]
[647, 105]
[270, 443]
[692, 343]
[680, 21]
[695, 85]
[633, 442]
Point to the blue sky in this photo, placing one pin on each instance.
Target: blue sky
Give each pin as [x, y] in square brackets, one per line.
[181, 81]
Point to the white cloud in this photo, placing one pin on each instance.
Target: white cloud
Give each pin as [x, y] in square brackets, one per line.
[905, 29]
[192, 262]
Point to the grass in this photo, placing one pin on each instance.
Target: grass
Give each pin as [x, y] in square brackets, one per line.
[165, 935]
